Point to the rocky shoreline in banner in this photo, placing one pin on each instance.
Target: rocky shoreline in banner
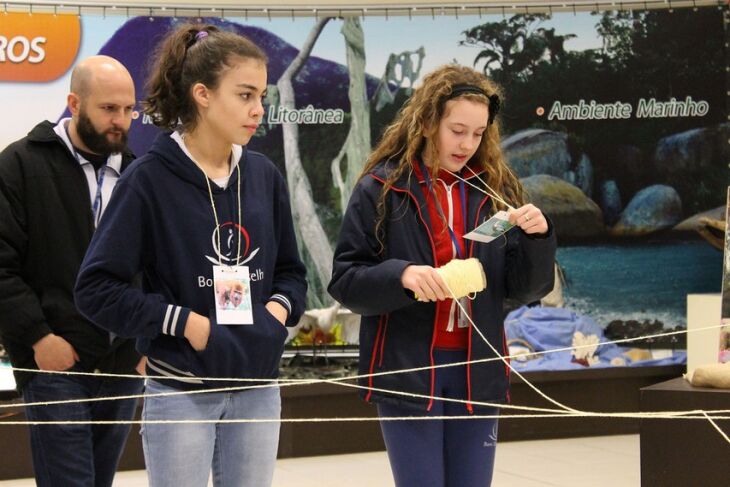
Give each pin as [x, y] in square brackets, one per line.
[634, 330]
[587, 206]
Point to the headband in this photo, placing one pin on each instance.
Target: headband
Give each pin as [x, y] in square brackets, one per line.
[494, 101]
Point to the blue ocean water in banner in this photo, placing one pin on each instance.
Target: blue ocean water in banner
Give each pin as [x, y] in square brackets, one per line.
[640, 282]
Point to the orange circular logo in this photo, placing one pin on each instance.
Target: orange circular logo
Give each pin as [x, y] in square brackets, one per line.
[37, 47]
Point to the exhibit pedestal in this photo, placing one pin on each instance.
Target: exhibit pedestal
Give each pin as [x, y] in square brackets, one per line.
[683, 452]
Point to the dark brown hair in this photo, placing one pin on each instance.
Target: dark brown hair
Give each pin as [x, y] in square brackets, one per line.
[194, 53]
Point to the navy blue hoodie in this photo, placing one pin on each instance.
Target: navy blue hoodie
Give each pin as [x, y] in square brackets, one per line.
[160, 223]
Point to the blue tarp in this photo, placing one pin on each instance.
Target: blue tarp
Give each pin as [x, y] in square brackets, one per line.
[553, 328]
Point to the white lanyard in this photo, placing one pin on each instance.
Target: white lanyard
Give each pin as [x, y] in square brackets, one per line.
[96, 206]
[215, 213]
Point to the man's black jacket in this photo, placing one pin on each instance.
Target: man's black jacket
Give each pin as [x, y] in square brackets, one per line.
[45, 227]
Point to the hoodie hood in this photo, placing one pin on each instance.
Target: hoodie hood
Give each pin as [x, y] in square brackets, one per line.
[169, 152]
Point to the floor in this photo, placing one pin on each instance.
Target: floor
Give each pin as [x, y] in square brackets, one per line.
[577, 462]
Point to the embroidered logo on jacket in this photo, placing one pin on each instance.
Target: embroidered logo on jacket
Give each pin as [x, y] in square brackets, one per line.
[230, 235]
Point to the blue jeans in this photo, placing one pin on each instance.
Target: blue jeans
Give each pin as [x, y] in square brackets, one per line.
[182, 455]
[438, 453]
[78, 455]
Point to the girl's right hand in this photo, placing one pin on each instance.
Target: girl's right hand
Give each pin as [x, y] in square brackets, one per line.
[197, 331]
[425, 283]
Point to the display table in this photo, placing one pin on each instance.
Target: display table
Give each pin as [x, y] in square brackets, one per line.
[679, 452]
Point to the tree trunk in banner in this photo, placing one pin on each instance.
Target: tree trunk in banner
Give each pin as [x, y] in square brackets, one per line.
[357, 144]
[304, 210]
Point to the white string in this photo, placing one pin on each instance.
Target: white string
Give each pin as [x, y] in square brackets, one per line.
[714, 425]
[262, 386]
[285, 382]
[505, 361]
[279, 383]
[698, 414]
[546, 412]
[548, 398]
[488, 187]
[491, 192]
[135, 396]
[692, 414]
[454, 400]
[565, 412]
[291, 382]
[357, 386]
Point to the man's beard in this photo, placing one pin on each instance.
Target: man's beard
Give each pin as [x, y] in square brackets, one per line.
[97, 142]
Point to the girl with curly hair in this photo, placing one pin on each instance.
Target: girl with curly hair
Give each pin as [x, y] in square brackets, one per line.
[423, 188]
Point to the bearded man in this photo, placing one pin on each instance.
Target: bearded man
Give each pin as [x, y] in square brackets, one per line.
[54, 186]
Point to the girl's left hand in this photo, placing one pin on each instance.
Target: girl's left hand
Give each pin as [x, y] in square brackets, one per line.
[529, 218]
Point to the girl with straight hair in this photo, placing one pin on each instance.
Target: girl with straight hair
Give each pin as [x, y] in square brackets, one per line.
[421, 191]
[199, 211]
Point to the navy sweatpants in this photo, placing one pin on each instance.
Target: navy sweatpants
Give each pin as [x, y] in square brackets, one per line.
[441, 453]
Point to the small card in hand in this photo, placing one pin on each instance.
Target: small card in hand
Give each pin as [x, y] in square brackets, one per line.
[491, 229]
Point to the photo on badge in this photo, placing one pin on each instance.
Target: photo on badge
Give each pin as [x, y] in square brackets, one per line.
[491, 229]
[232, 295]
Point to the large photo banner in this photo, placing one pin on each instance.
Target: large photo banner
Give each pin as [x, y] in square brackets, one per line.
[615, 122]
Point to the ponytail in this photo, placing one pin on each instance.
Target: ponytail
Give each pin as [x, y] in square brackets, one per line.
[194, 53]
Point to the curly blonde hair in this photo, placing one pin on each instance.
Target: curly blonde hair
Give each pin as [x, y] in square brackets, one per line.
[410, 137]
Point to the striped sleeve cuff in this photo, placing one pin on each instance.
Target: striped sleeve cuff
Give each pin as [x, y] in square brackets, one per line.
[174, 319]
[282, 300]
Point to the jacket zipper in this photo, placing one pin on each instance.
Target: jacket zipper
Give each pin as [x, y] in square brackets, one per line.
[449, 199]
[469, 405]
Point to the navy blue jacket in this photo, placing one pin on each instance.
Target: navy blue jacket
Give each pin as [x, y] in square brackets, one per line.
[160, 222]
[397, 331]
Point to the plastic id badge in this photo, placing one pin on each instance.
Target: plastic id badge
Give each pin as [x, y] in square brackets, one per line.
[232, 295]
[491, 229]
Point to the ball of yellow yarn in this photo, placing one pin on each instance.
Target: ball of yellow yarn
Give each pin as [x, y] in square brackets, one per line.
[463, 276]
